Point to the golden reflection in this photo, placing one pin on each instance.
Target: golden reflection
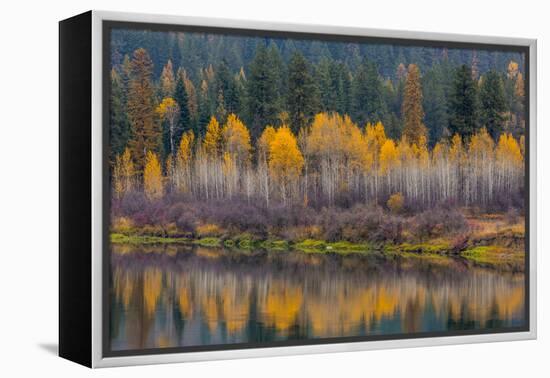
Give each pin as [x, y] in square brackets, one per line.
[152, 285]
[202, 300]
[281, 305]
[235, 309]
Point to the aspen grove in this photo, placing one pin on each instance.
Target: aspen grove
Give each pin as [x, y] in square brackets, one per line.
[332, 161]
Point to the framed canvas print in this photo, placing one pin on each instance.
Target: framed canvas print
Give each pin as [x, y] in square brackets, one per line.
[233, 189]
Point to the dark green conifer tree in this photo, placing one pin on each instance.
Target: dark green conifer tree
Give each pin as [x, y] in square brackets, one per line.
[463, 104]
[368, 102]
[120, 125]
[435, 105]
[181, 97]
[493, 103]
[303, 93]
[263, 101]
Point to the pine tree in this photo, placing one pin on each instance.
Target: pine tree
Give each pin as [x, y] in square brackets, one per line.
[493, 103]
[261, 92]
[146, 134]
[463, 104]
[175, 52]
[328, 85]
[343, 88]
[435, 104]
[279, 73]
[205, 111]
[413, 113]
[119, 125]
[226, 89]
[368, 104]
[184, 120]
[167, 81]
[303, 93]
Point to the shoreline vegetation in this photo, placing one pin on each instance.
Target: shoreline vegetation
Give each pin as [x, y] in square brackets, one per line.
[415, 156]
[492, 240]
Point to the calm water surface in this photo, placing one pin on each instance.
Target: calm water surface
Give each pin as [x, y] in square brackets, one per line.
[168, 296]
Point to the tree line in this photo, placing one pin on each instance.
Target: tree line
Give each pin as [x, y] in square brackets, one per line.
[269, 91]
[332, 162]
[289, 133]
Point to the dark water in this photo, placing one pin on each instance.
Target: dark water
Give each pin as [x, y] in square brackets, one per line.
[187, 296]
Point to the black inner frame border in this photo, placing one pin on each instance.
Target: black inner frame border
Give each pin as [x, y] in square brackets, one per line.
[109, 25]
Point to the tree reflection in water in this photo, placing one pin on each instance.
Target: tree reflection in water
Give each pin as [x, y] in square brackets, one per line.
[172, 296]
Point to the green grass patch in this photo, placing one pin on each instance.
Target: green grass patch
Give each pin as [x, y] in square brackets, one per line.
[494, 256]
[345, 246]
[341, 247]
[274, 245]
[208, 242]
[310, 245]
[229, 243]
[430, 248]
[144, 239]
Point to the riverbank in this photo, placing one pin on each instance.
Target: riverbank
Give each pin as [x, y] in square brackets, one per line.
[504, 249]
[485, 239]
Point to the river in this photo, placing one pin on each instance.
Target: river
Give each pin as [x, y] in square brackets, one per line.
[182, 296]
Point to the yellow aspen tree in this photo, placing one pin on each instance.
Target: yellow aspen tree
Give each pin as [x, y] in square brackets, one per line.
[456, 152]
[509, 163]
[441, 167]
[285, 160]
[212, 139]
[323, 134]
[325, 145]
[263, 156]
[230, 173]
[123, 174]
[236, 139]
[118, 187]
[480, 177]
[183, 161]
[169, 110]
[185, 150]
[264, 141]
[389, 156]
[375, 137]
[355, 146]
[508, 150]
[152, 177]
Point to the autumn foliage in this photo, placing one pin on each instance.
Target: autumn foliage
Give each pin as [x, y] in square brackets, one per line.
[333, 161]
[153, 185]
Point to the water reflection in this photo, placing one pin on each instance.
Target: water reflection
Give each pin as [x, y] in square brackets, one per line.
[181, 296]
